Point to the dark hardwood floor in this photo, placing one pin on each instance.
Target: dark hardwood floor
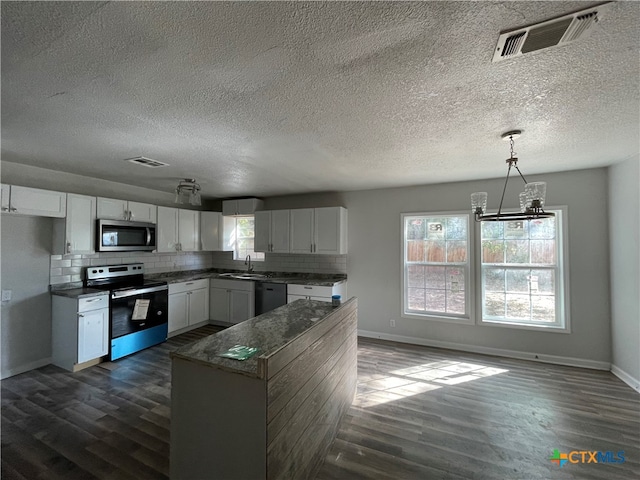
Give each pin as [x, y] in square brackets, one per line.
[420, 413]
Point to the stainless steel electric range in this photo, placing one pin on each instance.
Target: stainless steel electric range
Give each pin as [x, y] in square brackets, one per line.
[138, 308]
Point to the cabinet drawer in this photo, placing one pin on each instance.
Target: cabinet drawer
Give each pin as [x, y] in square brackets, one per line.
[309, 290]
[247, 285]
[293, 298]
[188, 286]
[93, 303]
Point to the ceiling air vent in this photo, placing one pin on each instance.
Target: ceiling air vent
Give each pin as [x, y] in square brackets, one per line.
[551, 33]
[147, 162]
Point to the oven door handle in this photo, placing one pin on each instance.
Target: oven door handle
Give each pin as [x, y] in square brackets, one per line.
[138, 291]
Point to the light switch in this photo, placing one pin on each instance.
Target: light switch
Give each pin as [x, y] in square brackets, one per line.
[6, 295]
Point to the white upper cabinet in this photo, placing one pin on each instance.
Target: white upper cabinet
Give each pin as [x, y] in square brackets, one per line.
[33, 201]
[167, 231]
[241, 206]
[178, 230]
[189, 230]
[143, 212]
[302, 230]
[113, 209]
[77, 232]
[330, 231]
[319, 230]
[5, 197]
[212, 231]
[272, 231]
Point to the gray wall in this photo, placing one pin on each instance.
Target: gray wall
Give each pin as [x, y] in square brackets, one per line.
[374, 261]
[26, 320]
[624, 182]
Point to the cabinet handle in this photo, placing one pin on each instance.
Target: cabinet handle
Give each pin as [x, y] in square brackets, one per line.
[308, 288]
[68, 247]
[6, 209]
[12, 209]
[189, 283]
[92, 300]
[311, 248]
[80, 315]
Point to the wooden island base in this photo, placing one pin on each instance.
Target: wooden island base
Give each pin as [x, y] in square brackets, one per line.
[273, 416]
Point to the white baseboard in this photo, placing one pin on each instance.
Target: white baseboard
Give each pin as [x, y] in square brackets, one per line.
[626, 378]
[25, 368]
[499, 352]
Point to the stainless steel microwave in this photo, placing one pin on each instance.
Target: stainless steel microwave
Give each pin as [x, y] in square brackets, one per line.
[123, 236]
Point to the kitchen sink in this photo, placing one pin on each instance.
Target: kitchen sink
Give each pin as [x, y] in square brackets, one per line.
[243, 276]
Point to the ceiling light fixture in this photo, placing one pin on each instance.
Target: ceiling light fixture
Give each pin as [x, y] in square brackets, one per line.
[531, 200]
[188, 189]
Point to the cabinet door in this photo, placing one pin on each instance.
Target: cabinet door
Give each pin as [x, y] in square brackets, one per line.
[167, 231]
[198, 306]
[178, 311]
[241, 306]
[93, 334]
[112, 209]
[219, 304]
[210, 231]
[80, 226]
[189, 230]
[5, 197]
[301, 230]
[33, 201]
[279, 231]
[142, 212]
[230, 207]
[262, 232]
[330, 231]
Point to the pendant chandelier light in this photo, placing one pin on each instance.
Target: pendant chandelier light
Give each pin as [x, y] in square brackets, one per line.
[531, 200]
[188, 190]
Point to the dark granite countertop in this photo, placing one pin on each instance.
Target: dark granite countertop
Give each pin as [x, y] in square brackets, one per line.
[79, 292]
[268, 332]
[317, 279]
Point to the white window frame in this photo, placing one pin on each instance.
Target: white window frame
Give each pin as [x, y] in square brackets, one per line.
[562, 301]
[467, 318]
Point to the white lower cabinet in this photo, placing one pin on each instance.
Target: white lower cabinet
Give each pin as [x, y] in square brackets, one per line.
[231, 301]
[188, 304]
[316, 292]
[80, 330]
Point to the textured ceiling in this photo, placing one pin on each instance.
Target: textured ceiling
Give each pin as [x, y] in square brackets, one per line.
[268, 98]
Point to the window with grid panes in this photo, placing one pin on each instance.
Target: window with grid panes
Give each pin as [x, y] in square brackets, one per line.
[242, 239]
[522, 277]
[436, 265]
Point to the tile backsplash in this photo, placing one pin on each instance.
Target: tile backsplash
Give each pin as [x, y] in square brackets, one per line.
[284, 262]
[70, 268]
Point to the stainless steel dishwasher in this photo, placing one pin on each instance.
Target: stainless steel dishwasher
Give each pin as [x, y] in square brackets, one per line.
[270, 296]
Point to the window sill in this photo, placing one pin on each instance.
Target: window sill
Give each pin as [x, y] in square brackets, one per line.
[438, 318]
[524, 326]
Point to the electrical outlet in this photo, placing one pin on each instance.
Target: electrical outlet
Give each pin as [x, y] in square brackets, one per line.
[6, 295]
[392, 322]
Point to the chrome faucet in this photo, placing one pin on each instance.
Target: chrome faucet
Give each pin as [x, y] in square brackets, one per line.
[247, 261]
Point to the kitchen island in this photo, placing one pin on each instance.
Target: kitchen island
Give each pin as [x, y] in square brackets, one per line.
[274, 415]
